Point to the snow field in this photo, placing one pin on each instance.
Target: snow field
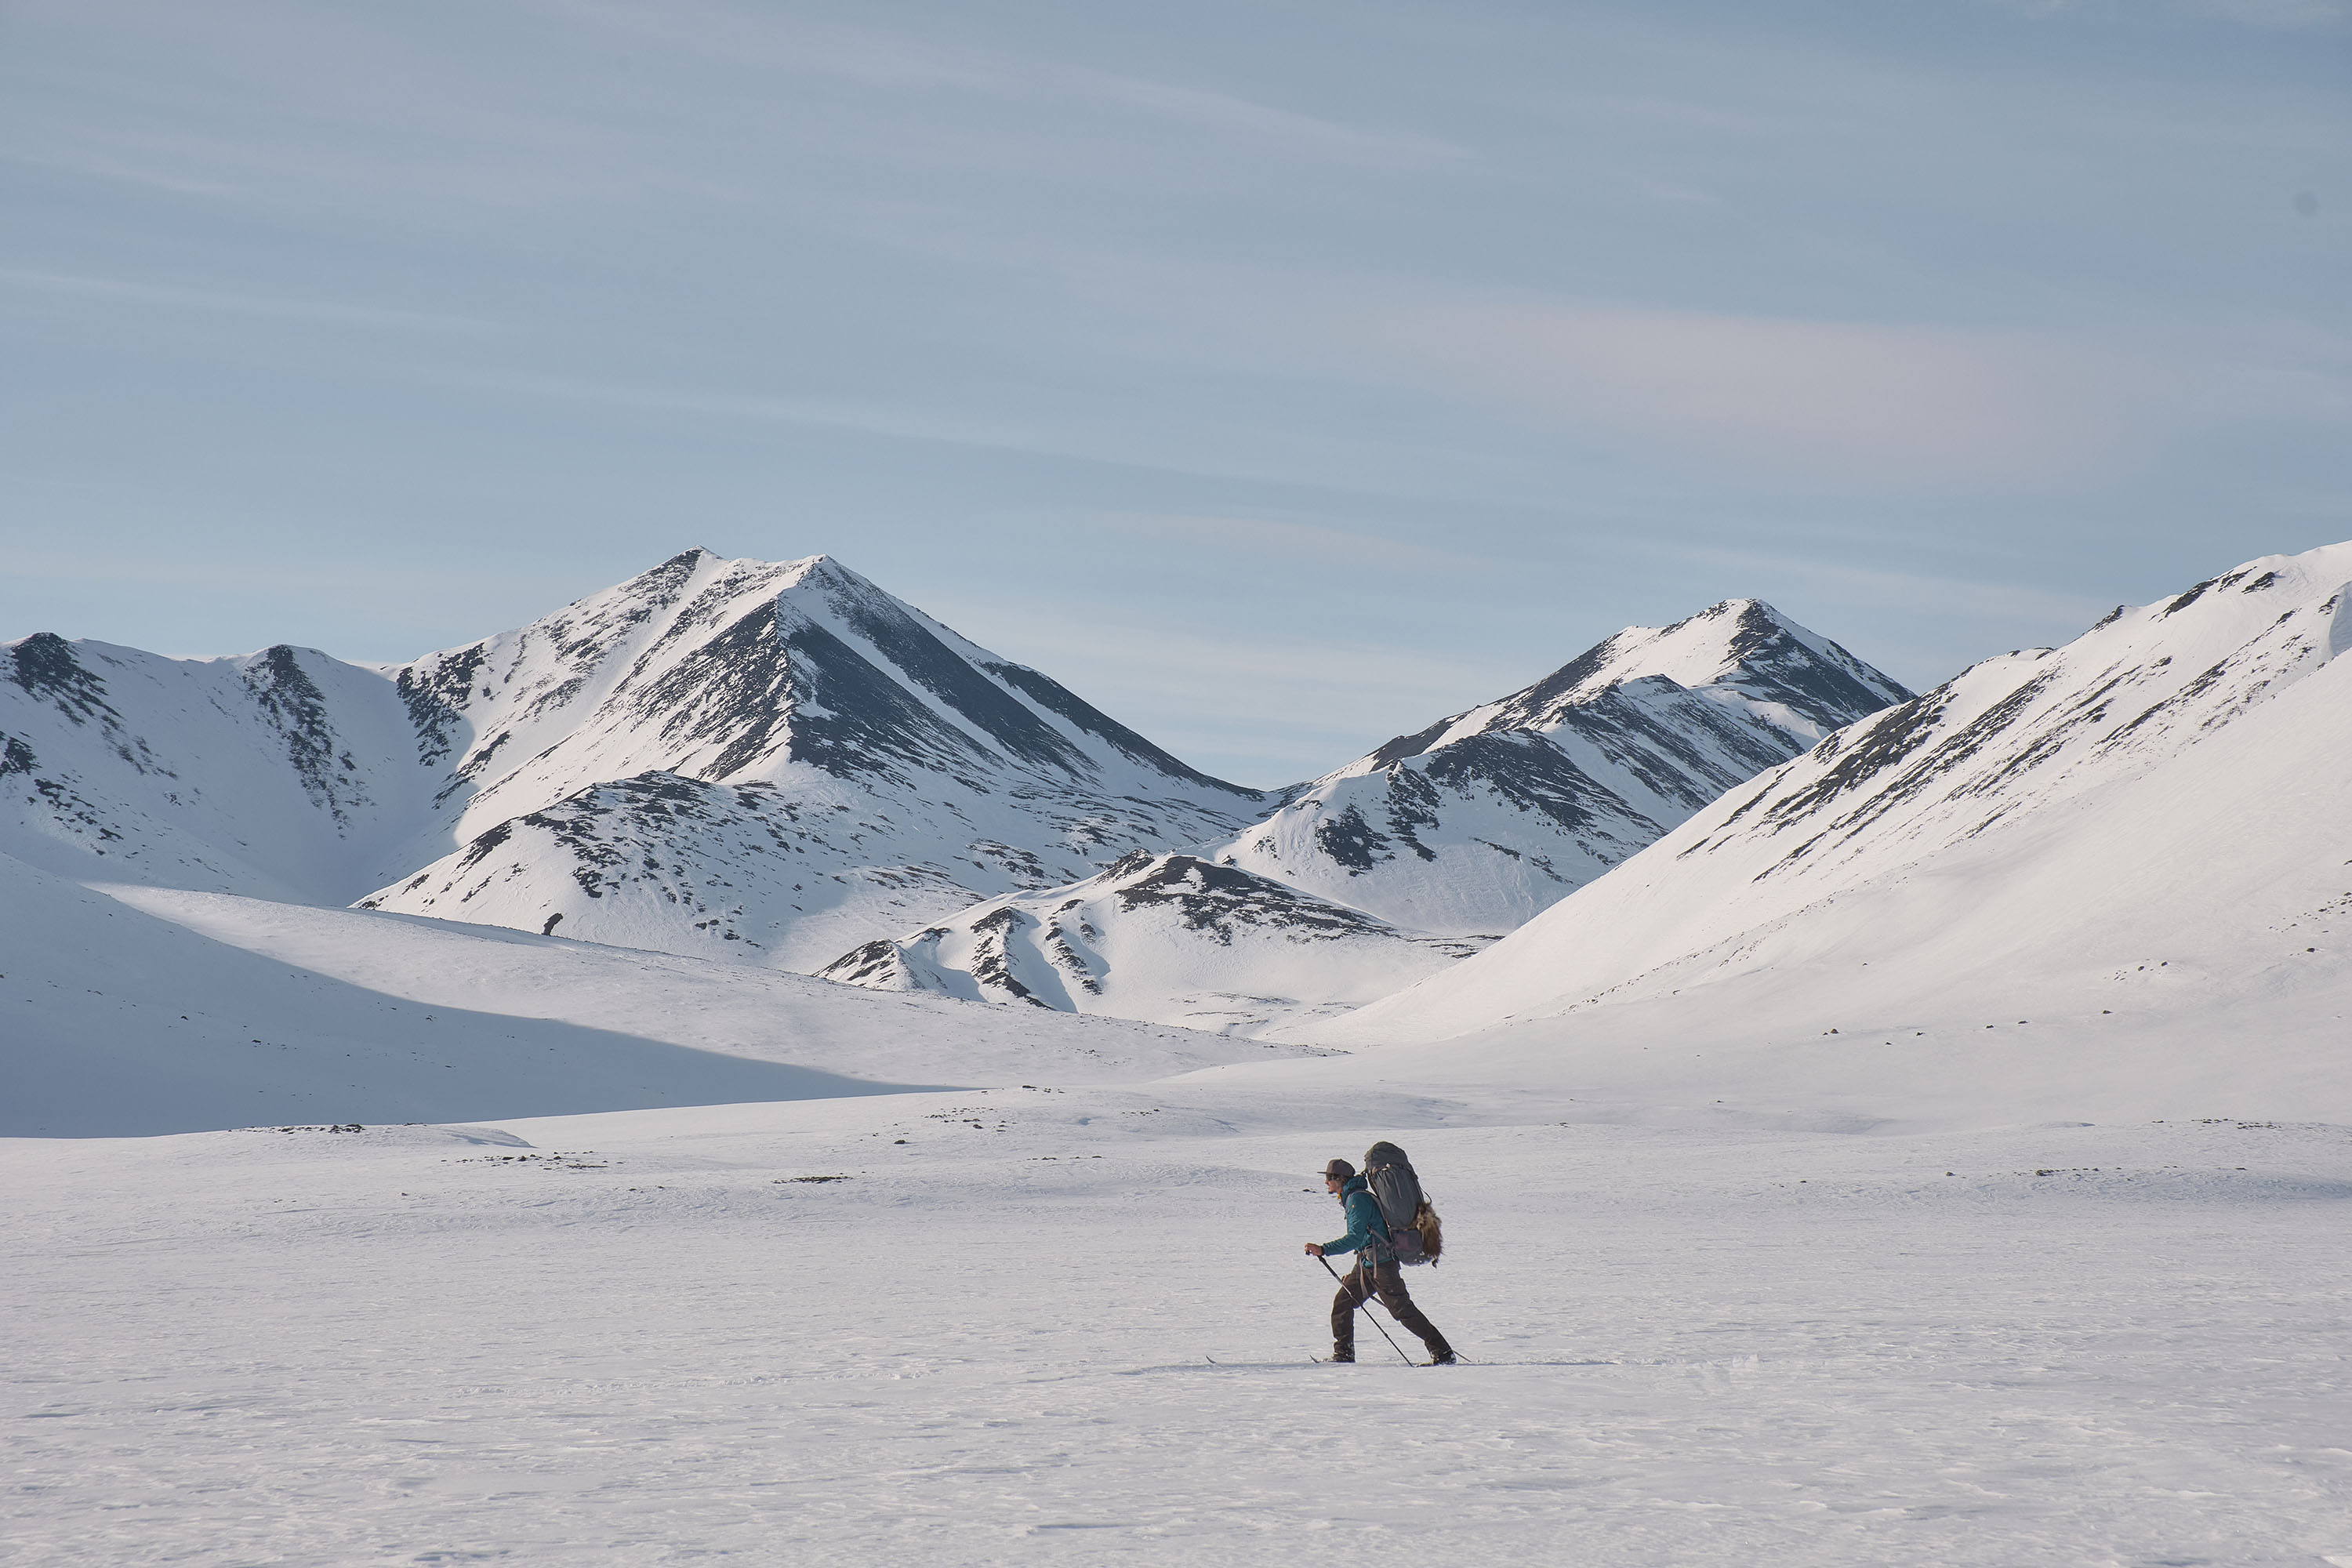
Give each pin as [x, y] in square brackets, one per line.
[2113, 1345]
[167, 1011]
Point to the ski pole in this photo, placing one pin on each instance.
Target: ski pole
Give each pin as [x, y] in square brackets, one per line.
[1370, 1285]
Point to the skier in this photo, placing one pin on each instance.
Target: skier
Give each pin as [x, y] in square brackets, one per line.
[1375, 1273]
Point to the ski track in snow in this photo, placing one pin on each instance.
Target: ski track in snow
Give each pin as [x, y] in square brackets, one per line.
[634, 1338]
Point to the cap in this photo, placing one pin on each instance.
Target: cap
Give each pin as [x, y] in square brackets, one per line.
[1339, 1171]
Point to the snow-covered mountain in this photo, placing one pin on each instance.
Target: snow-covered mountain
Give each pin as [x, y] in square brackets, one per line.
[1464, 830]
[781, 755]
[1475, 824]
[1171, 938]
[2160, 811]
[281, 774]
[735, 757]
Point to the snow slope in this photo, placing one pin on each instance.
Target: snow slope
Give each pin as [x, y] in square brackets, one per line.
[169, 1011]
[1172, 937]
[732, 758]
[1482, 820]
[2153, 821]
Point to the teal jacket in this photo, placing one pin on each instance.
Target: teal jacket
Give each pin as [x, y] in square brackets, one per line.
[1366, 1233]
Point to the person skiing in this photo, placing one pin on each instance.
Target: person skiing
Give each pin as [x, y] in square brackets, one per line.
[1375, 1273]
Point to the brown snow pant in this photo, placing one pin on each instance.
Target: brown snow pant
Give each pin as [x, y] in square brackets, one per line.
[1388, 1283]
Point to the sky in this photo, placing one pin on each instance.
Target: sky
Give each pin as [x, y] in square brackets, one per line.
[1280, 376]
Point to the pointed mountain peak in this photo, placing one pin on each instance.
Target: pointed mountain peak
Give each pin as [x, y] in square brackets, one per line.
[827, 573]
[715, 668]
[716, 578]
[1745, 644]
[677, 569]
[1738, 646]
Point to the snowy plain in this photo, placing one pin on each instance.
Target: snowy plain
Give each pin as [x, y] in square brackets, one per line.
[1762, 1337]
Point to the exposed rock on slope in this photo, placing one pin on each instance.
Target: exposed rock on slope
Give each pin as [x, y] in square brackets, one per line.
[782, 756]
[2163, 804]
[284, 774]
[1171, 938]
[1485, 818]
[1466, 828]
[728, 757]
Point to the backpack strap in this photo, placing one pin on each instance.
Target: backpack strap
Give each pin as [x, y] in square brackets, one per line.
[1384, 1243]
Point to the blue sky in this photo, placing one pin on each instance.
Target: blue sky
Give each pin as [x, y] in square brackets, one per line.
[1278, 375]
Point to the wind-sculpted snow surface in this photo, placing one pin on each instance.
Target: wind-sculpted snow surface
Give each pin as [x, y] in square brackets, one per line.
[737, 758]
[1482, 820]
[1464, 830]
[2166, 802]
[1172, 937]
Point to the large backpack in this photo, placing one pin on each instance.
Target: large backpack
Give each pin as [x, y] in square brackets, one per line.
[1410, 1221]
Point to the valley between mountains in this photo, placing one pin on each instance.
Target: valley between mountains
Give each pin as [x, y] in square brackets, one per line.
[778, 784]
[784, 766]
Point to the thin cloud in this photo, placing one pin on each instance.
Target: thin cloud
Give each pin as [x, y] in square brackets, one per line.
[1834, 399]
[1277, 709]
[1912, 593]
[961, 426]
[2279, 14]
[1255, 122]
[908, 62]
[95, 166]
[197, 572]
[174, 297]
[957, 425]
[2291, 15]
[1312, 541]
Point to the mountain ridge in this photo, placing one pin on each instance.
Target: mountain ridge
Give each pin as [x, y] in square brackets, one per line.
[1415, 854]
[779, 762]
[852, 766]
[467, 783]
[1951, 789]
[1534, 794]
